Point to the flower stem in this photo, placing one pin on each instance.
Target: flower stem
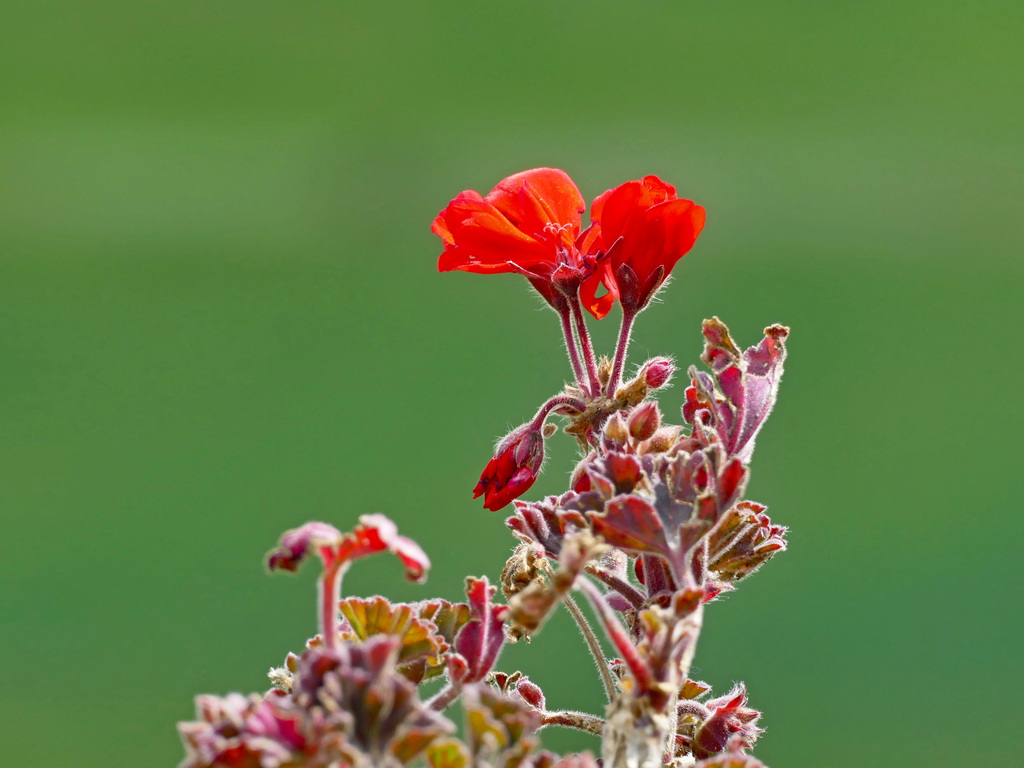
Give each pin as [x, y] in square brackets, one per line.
[555, 402]
[570, 346]
[330, 592]
[593, 644]
[625, 332]
[628, 591]
[578, 720]
[445, 697]
[585, 345]
[617, 634]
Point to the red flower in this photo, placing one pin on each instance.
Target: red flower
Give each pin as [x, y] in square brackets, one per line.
[514, 468]
[529, 223]
[643, 229]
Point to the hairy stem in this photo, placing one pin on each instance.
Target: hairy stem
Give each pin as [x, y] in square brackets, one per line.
[585, 345]
[625, 332]
[617, 634]
[628, 591]
[571, 347]
[445, 697]
[555, 402]
[578, 720]
[593, 645]
[330, 592]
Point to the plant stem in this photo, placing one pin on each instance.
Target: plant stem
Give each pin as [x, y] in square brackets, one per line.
[625, 332]
[555, 402]
[585, 345]
[330, 591]
[628, 591]
[570, 346]
[579, 720]
[445, 697]
[617, 634]
[593, 644]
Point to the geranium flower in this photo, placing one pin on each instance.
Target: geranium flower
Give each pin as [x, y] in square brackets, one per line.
[530, 224]
[642, 228]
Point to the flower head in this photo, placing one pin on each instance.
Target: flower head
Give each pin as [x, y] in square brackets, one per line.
[530, 224]
[643, 228]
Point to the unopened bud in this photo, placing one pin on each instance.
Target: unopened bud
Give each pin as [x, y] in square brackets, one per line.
[530, 692]
[644, 421]
[615, 429]
[580, 480]
[730, 719]
[513, 469]
[657, 372]
[663, 439]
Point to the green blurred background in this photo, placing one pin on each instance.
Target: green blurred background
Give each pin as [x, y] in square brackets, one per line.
[220, 317]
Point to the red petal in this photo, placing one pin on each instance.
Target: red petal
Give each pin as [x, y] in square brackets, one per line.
[479, 238]
[535, 198]
[599, 306]
[618, 209]
[661, 236]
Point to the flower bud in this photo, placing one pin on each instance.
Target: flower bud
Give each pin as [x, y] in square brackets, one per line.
[662, 440]
[730, 718]
[644, 421]
[514, 468]
[580, 480]
[615, 432]
[657, 372]
[530, 692]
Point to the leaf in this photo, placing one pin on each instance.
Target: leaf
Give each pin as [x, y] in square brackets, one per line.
[449, 753]
[421, 653]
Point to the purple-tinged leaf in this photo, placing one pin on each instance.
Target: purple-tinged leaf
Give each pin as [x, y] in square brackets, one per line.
[500, 731]
[741, 391]
[237, 731]
[731, 724]
[630, 523]
[480, 640]
[743, 541]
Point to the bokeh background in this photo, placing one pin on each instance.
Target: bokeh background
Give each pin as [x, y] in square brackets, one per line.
[220, 317]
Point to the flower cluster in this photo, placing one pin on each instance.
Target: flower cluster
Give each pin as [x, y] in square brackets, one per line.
[653, 527]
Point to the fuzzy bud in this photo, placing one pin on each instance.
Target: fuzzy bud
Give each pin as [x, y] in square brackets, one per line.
[615, 430]
[657, 372]
[730, 720]
[514, 468]
[644, 421]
